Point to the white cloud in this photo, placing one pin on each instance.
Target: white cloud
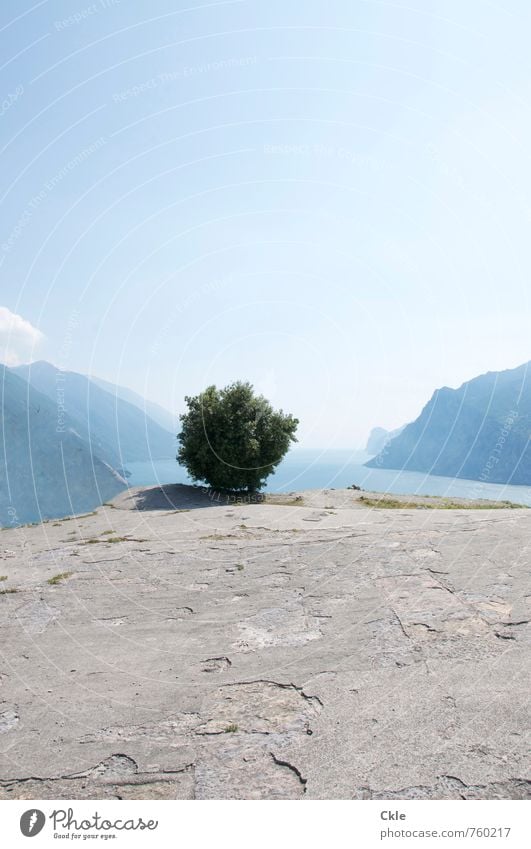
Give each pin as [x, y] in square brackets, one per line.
[18, 338]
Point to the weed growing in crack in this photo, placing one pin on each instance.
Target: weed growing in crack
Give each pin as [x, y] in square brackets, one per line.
[57, 579]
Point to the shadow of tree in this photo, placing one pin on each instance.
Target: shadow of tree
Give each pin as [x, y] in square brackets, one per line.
[180, 496]
[174, 496]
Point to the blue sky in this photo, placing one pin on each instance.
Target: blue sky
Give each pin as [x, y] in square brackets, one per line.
[329, 199]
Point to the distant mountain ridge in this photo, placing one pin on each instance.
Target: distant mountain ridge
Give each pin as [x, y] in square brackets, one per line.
[47, 470]
[66, 443]
[379, 437]
[155, 412]
[480, 431]
[118, 431]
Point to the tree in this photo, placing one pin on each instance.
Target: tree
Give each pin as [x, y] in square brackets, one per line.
[233, 439]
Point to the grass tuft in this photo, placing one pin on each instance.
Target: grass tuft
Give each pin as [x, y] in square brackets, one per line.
[57, 579]
[217, 536]
[285, 500]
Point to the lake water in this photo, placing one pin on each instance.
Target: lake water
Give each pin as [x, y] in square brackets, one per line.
[303, 469]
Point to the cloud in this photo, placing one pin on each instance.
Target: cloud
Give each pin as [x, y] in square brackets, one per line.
[18, 338]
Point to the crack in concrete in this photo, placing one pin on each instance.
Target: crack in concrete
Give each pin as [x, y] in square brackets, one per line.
[450, 786]
[289, 686]
[292, 767]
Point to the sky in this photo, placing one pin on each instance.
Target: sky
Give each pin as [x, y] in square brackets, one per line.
[328, 199]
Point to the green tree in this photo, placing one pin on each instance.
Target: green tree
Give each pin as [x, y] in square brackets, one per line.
[233, 439]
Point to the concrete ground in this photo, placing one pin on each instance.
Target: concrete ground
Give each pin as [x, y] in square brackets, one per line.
[318, 645]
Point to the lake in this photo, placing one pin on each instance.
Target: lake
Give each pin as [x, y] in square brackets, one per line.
[305, 469]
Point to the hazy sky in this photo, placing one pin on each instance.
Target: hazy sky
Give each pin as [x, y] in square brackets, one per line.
[329, 198]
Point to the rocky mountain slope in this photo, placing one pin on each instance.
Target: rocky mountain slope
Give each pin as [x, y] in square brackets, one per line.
[480, 431]
[154, 411]
[313, 646]
[47, 469]
[118, 431]
[379, 437]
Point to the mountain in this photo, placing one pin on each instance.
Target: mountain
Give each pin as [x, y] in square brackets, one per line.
[118, 431]
[480, 431]
[379, 437]
[47, 469]
[163, 417]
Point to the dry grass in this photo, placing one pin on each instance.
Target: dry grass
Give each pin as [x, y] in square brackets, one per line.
[386, 503]
[57, 579]
[108, 539]
[285, 500]
[218, 536]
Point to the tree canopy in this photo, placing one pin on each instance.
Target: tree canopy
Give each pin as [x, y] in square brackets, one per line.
[233, 439]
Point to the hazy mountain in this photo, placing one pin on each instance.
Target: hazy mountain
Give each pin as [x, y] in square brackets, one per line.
[118, 432]
[47, 469]
[480, 431]
[163, 417]
[379, 437]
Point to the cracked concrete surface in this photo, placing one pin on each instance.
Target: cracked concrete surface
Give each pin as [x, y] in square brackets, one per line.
[310, 648]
